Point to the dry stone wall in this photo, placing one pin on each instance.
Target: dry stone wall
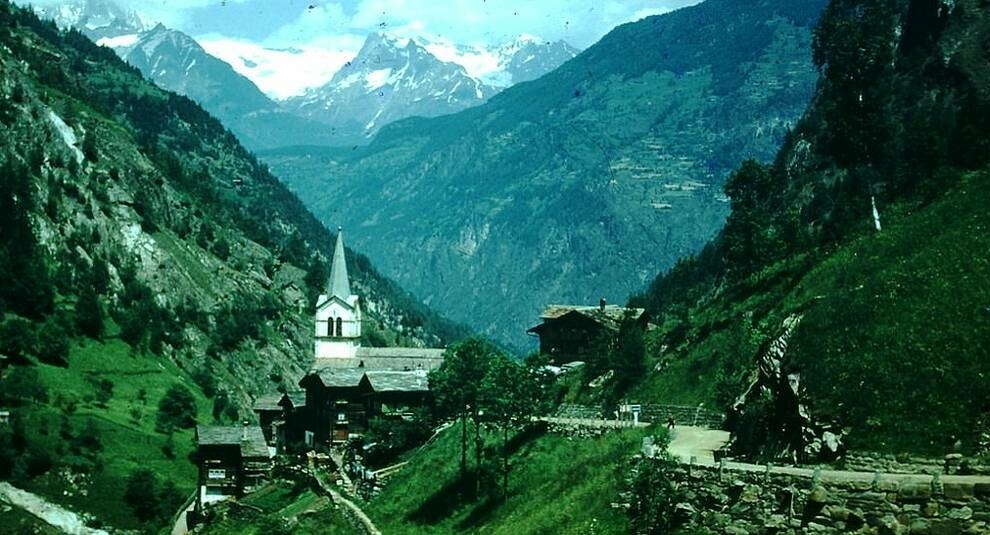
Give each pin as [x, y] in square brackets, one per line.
[715, 501]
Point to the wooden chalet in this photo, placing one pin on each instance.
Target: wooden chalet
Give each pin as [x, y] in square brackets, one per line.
[336, 401]
[232, 461]
[279, 416]
[568, 332]
[397, 393]
[341, 401]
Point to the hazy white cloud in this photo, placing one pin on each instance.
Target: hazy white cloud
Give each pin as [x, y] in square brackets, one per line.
[580, 22]
[287, 45]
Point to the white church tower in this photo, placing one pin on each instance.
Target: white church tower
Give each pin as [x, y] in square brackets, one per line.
[338, 313]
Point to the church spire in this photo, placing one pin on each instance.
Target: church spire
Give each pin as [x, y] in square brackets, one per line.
[340, 285]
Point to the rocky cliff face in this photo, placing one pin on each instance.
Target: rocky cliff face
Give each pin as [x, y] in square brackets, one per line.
[581, 184]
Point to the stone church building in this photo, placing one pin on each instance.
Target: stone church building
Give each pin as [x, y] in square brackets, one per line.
[350, 384]
[338, 330]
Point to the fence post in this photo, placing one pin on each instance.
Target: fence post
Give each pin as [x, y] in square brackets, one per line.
[937, 488]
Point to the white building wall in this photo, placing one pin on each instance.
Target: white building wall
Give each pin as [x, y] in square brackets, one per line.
[329, 342]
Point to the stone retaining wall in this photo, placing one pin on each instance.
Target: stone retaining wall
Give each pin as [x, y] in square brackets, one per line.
[747, 502]
[651, 412]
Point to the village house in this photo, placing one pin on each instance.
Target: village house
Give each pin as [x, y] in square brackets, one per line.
[232, 461]
[343, 402]
[337, 402]
[568, 332]
[276, 415]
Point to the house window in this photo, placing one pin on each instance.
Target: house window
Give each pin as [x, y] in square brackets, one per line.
[216, 473]
[341, 416]
[340, 327]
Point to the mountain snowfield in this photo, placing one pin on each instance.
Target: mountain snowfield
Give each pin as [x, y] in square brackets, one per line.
[308, 95]
[389, 79]
[283, 73]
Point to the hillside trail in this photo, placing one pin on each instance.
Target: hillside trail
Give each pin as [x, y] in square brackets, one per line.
[55, 515]
[338, 498]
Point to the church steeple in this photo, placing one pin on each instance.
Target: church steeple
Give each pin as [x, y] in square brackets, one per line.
[338, 311]
[339, 284]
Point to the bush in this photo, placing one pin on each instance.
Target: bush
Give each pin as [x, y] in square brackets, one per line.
[176, 410]
[151, 500]
[22, 385]
[140, 494]
[17, 338]
[53, 343]
[89, 314]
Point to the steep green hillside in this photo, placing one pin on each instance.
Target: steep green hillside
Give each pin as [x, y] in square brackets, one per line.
[557, 485]
[888, 345]
[578, 185]
[146, 256]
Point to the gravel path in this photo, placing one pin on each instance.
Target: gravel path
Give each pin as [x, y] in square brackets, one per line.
[55, 515]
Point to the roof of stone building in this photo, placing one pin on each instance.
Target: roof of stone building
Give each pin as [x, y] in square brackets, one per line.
[609, 316]
[273, 402]
[386, 358]
[398, 381]
[339, 285]
[297, 397]
[250, 439]
[340, 377]
[268, 402]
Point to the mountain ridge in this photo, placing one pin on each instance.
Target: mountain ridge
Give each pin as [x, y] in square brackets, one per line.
[585, 179]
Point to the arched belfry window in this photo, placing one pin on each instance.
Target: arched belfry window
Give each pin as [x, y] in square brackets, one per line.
[340, 327]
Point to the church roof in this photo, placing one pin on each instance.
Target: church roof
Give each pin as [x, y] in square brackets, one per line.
[339, 285]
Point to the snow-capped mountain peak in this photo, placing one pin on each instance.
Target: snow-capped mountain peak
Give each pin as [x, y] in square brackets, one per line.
[390, 78]
[98, 19]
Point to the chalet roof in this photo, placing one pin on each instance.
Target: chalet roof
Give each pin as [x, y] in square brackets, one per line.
[339, 285]
[268, 402]
[340, 377]
[609, 316]
[250, 439]
[398, 381]
[274, 402]
[297, 398]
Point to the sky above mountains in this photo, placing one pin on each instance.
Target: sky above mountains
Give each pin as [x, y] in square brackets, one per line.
[281, 23]
[286, 46]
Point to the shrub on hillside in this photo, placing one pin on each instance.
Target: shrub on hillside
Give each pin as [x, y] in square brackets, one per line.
[176, 410]
[53, 342]
[17, 338]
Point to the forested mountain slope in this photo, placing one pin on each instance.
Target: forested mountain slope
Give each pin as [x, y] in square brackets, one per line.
[874, 320]
[148, 262]
[581, 184]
